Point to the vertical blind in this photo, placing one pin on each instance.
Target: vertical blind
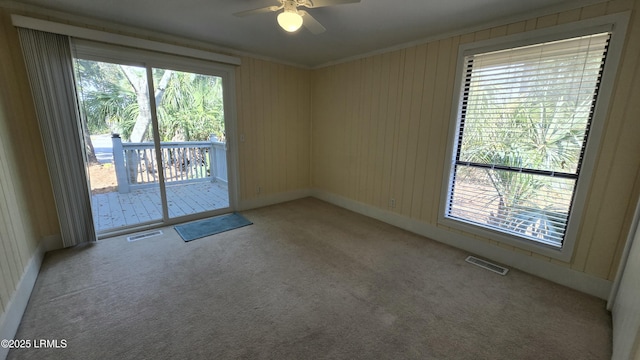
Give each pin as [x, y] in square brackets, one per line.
[525, 115]
[50, 69]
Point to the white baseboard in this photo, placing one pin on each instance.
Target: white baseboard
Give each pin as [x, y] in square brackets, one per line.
[559, 274]
[12, 316]
[273, 199]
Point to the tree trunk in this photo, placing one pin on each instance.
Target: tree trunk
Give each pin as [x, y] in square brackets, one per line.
[91, 152]
[141, 126]
[141, 89]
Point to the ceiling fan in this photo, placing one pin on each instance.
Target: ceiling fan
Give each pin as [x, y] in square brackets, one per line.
[291, 19]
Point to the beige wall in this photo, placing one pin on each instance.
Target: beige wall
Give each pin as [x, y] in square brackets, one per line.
[27, 212]
[380, 131]
[274, 107]
[626, 307]
[273, 114]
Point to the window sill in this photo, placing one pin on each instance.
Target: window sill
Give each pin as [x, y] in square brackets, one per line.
[563, 253]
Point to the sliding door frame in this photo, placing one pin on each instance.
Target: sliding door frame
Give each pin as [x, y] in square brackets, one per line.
[90, 50]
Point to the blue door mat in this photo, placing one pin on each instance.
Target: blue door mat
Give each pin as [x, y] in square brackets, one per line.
[211, 226]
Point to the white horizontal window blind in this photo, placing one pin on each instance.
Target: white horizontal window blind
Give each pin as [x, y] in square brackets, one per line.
[525, 115]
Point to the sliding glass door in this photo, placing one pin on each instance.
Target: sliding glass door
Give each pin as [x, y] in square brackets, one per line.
[155, 141]
[193, 145]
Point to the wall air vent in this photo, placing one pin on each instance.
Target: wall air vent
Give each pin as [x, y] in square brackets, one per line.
[144, 235]
[487, 265]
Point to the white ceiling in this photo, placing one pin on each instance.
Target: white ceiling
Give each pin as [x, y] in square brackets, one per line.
[352, 29]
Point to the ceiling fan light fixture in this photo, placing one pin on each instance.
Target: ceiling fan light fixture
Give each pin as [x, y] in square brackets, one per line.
[290, 20]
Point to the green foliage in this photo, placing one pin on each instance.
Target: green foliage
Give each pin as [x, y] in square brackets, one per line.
[107, 100]
[190, 109]
[542, 129]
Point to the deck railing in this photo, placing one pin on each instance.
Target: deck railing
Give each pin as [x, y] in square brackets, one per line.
[182, 161]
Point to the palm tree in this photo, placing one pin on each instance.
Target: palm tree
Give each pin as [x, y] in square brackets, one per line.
[115, 98]
[534, 128]
[192, 108]
[108, 101]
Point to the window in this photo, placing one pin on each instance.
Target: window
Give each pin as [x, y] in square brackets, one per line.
[524, 117]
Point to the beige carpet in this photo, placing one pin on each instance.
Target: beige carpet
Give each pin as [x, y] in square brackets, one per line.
[307, 281]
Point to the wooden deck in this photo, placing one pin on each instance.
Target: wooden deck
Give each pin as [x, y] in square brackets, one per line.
[113, 210]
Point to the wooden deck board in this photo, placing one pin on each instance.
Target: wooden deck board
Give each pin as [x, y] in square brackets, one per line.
[114, 210]
[153, 206]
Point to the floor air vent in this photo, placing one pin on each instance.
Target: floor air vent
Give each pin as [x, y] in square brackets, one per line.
[487, 265]
[144, 235]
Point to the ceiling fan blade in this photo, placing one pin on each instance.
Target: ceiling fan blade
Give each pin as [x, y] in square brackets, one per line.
[257, 11]
[311, 24]
[322, 3]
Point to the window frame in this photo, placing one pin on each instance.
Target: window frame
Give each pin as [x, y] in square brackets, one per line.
[616, 24]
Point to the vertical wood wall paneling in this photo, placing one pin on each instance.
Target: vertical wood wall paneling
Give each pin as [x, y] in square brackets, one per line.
[256, 173]
[319, 101]
[323, 136]
[299, 120]
[242, 132]
[16, 243]
[596, 198]
[344, 138]
[10, 262]
[391, 121]
[437, 143]
[347, 137]
[273, 114]
[371, 120]
[624, 160]
[303, 126]
[259, 119]
[280, 131]
[268, 97]
[289, 149]
[289, 128]
[402, 128]
[9, 270]
[351, 131]
[337, 158]
[246, 148]
[278, 136]
[25, 136]
[362, 131]
[371, 139]
[33, 174]
[446, 118]
[27, 211]
[393, 112]
[422, 174]
[414, 107]
[381, 121]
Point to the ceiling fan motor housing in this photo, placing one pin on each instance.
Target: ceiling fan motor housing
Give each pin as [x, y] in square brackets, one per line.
[290, 6]
[289, 19]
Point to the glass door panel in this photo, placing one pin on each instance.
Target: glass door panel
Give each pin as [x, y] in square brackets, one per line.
[123, 175]
[191, 125]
